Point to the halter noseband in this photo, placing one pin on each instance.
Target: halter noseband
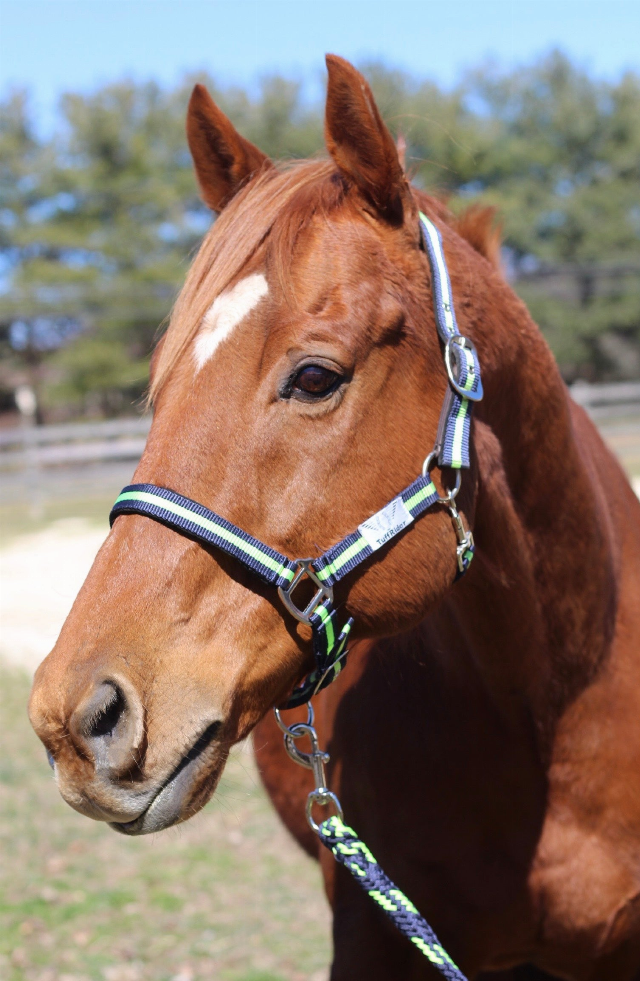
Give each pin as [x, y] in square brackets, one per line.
[451, 450]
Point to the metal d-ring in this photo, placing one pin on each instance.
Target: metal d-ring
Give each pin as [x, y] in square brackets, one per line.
[288, 731]
[305, 569]
[428, 466]
[322, 796]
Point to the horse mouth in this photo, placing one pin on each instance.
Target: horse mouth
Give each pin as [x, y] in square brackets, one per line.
[187, 788]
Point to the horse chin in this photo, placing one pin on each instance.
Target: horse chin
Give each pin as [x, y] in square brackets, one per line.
[182, 796]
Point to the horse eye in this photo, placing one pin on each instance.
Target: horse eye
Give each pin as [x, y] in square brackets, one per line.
[313, 379]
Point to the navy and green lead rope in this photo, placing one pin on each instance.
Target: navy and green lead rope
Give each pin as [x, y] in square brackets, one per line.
[351, 852]
[329, 641]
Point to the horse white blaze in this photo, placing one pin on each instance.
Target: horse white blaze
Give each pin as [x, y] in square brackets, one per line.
[226, 312]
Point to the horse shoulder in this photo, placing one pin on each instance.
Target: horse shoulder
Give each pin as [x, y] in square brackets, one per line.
[586, 873]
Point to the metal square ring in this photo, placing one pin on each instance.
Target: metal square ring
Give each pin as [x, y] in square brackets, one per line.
[305, 569]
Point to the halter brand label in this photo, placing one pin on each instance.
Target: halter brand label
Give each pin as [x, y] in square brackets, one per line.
[383, 525]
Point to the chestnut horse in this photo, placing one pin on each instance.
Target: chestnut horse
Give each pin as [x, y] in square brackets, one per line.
[484, 736]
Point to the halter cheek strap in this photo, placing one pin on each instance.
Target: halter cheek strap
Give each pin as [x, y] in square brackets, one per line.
[451, 450]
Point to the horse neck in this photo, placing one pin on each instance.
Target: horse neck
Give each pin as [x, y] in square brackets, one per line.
[537, 611]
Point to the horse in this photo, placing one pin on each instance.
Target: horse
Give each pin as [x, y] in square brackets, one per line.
[484, 735]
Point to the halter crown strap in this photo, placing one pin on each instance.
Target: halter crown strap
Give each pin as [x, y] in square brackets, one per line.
[461, 360]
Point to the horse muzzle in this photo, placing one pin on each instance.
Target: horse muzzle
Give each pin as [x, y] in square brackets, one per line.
[186, 790]
[105, 769]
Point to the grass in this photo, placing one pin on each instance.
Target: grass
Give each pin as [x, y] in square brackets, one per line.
[226, 896]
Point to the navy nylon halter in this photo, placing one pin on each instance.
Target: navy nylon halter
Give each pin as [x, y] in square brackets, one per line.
[451, 450]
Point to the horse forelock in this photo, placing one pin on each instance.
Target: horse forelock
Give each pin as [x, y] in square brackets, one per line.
[272, 210]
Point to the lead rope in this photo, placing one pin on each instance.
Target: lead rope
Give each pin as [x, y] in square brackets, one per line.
[352, 852]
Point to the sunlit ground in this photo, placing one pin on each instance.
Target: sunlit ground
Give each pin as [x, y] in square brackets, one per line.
[227, 895]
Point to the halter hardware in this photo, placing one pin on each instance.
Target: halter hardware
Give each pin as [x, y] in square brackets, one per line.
[428, 466]
[453, 353]
[465, 546]
[305, 570]
[464, 535]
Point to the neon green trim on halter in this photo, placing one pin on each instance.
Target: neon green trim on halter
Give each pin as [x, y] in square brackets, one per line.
[342, 559]
[420, 496]
[217, 529]
[328, 625]
[458, 434]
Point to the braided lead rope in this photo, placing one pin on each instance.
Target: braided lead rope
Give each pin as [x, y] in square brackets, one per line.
[348, 849]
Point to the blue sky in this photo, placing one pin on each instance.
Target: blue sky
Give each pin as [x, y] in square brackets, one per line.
[53, 46]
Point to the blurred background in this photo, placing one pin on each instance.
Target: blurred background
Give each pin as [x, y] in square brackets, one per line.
[532, 107]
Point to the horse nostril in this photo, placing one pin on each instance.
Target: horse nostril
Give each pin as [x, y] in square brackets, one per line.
[109, 724]
[105, 717]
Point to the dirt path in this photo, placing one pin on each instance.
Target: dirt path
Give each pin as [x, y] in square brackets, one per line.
[40, 575]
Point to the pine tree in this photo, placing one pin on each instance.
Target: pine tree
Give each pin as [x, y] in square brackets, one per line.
[97, 224]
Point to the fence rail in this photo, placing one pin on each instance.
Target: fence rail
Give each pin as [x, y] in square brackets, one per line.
[82, 442]
[124, 439]
[605, 402]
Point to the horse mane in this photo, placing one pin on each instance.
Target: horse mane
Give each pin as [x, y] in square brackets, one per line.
[478, 226]
[283, 200]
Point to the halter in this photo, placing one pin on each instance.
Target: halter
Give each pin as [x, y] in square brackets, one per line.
[451, 450]
[329, 641]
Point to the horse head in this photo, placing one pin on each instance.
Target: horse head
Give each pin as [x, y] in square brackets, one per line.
[297, 390]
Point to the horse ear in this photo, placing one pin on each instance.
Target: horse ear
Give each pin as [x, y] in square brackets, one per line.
[223, 159]
[358, 140]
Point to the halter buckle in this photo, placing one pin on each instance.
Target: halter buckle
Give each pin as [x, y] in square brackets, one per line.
[305, 568]
[452, 360]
